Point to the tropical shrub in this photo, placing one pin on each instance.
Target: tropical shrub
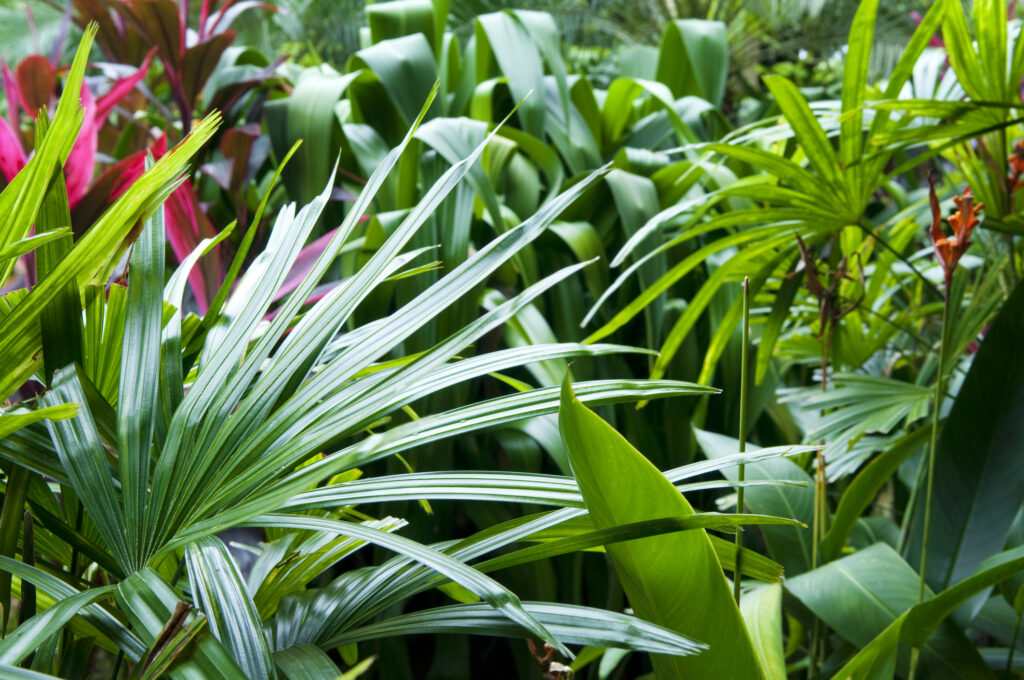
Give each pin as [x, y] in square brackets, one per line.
[480, 211]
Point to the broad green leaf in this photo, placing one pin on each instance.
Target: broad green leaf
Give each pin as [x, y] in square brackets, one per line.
[693, 59]
[978, 481]
[762, 611]
[620, 486]
[916, 625]
[862, 594]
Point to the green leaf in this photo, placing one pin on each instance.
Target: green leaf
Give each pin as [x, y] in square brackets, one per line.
[139, 390]
[12, 421]
[34, 632]
[221, 593]
[503, 600]
[978, 479]
[693, 59]
[791, 546]
[574, 624]
[860, 595]
[85, 461]
[863, 491]
[762, 610]
[916, 625]
[620, 486]
[148, 602]
[20, 336]
[810, 134]
[305, 662]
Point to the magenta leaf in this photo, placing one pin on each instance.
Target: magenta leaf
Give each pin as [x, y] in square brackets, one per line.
[106, 103]
[12, 156]
[37, 82]
[81, 163]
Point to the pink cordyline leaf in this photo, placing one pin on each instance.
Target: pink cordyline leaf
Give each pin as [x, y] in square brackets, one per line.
[37, 83]
[319, 293]
[12, 95]
[12, 157]
[304, 264]
[78, 170]
[222, 19]
[106, 103]
[186, 226]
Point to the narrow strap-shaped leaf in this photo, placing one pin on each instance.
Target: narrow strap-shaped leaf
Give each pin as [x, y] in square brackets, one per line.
[773, 325]
[62, 319]
[21, 199]
[221, 593]
[499, 597]
[990, 23]
[306, 662]
[85, 461]
[171, 378]
[783, 168]
[962, 56]
[149, 603]
[34, 632]
[457, 422]
[105, 622]
[628, 532]
[139, 391]
[572, 623]
[30, 243]
[855, 80]
[809, 133]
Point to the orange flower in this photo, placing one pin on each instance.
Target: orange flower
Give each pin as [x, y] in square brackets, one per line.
[1016, 161]
[950, 249]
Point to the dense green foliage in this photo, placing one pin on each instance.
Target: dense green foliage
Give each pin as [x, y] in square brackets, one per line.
[292, 294]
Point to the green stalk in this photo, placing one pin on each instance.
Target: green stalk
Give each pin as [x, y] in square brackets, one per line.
[936, 408]
[1013, 647]
[744, 362]
[931, 451]
[12, 517]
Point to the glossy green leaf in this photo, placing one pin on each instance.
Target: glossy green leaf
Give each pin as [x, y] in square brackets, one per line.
[978, 483]
[620, 486]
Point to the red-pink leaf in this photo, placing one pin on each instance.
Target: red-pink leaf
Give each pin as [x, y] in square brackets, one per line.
[81, 163]
[221, 20]
[12, 156]
[199, 62]
[37, 82]
[186, 226]
[12, 95]
[304, 264]
[120, 90]
[160, 21]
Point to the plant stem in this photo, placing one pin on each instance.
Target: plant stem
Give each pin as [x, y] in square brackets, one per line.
[931, 452]
[1013, 647]
[12, 517]
[744, 362]
[936, 408]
